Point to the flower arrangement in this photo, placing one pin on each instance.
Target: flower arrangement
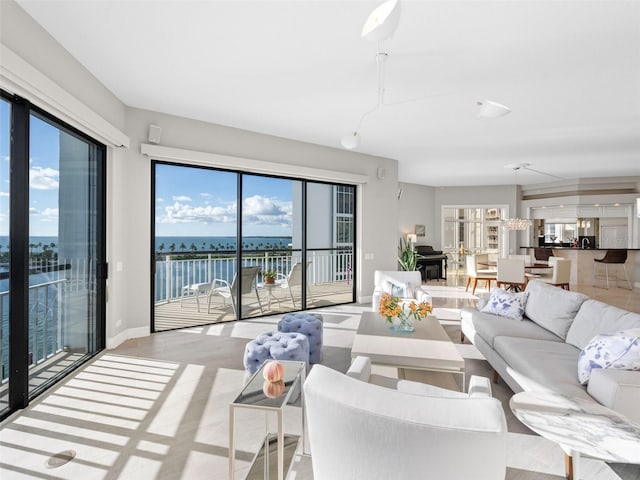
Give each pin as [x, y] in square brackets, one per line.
[394, 307]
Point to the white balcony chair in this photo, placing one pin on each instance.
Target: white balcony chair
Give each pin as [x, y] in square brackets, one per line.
[365, 431]
[294, 279]
[222, 288]
[195, 290]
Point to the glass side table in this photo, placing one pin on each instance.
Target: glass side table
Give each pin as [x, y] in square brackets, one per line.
[254, 395]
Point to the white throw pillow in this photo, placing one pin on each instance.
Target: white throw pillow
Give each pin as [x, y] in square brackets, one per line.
[395, 289]
[609, 351]
[506, 304]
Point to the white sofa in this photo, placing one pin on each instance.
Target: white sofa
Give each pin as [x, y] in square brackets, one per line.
[361, 431]
[541, 351]
[409, 284]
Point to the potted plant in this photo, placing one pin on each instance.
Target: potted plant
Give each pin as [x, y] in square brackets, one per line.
[269, 277]
[407, 256]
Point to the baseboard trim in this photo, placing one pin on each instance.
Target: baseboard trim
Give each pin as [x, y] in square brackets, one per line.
[366, 299]
[113, 342]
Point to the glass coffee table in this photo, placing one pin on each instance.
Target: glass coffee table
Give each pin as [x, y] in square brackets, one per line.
[258, 394]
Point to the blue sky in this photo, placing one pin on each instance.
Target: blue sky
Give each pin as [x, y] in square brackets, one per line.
[201, 202]
[43, 176]
[189, 201]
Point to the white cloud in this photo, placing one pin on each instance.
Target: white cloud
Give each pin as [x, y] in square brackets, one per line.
[181, 198]
[159, 200]
[4, 194]
[50, 212]
[184, 213]
[257, 210]
[34, 211]
[206, 195]
[43, 178]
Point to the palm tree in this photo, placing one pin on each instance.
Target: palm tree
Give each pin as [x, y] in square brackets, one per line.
[161, 247]
[172, 247]
[193, 247]
[182, 246]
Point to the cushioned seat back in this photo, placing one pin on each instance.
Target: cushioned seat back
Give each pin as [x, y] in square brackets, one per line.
[551, 307]
[362, 431]
[595, 318]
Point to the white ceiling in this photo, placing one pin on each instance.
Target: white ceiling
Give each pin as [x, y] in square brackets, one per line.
[569, 70]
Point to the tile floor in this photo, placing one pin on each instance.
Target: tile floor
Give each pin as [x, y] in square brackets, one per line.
[156, 407]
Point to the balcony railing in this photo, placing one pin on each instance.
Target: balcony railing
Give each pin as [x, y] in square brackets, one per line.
[46, 325]
[174, 273]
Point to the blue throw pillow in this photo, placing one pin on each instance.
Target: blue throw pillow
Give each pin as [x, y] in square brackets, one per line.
[506, 304]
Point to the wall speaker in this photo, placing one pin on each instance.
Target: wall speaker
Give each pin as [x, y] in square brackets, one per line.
[154, 133]
[381, 173]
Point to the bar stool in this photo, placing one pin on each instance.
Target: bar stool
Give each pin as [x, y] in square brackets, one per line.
[611, 257]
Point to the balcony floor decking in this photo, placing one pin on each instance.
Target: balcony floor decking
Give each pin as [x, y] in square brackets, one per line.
[182, 314]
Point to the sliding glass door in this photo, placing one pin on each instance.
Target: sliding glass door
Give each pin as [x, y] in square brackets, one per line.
[53, 267]
[295, 248]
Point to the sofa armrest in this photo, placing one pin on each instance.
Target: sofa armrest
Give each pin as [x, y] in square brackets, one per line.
[360, 369]
[479, 387]
[423, 296]
[618, 390]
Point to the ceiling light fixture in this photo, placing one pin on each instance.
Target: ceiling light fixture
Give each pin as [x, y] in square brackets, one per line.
[381, 25]
[382, 22]
[491, 109]
[516, 223]
[527, 166]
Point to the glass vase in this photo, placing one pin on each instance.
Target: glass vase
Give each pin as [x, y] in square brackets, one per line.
[402, 324]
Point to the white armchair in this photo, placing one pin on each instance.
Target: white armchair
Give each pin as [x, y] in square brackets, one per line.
[400, 284]
[359, 430]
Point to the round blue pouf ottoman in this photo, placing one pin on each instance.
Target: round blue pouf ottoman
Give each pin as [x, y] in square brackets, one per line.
[309, 324]
[275, 346]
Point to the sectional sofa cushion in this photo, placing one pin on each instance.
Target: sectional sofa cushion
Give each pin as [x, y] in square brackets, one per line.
[595, 318]
[551, 307]
[542, 365]
[490, 326]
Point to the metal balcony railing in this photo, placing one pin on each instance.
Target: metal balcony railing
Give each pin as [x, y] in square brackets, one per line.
[174, 273]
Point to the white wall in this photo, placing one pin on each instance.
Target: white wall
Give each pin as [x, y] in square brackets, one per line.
[416, 207]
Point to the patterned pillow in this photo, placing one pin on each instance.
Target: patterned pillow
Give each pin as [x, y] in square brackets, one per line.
[506, 304]
[609, 351]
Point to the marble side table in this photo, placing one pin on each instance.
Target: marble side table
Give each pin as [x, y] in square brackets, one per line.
[580, 428]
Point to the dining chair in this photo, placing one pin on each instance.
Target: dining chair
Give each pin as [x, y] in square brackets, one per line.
[220, 287]
[560, 274]
[528, 259]
[511, 273]
[474, 274]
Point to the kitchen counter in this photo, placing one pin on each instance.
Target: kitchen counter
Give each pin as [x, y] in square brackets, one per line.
[574, 248]
[582, 263]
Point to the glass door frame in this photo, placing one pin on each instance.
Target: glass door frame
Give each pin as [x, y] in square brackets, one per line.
[21, 110]
[239, 193]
